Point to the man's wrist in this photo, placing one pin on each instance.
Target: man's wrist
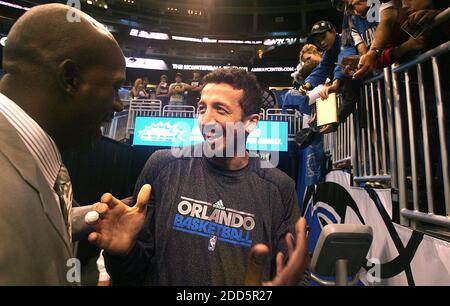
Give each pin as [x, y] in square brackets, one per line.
[375, 52]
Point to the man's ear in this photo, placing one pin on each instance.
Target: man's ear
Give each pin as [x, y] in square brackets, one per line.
[251, 123]
[69, 76]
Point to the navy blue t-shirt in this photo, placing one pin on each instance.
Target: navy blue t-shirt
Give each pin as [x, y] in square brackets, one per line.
[202, 222]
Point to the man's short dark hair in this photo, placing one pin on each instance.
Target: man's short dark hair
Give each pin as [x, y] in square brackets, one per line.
[178, 74]
[239, 79]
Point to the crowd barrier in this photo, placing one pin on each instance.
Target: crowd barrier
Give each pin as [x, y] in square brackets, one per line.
[122, 125]
[399, 136]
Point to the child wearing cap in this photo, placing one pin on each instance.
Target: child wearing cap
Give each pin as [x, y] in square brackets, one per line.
[324, 36]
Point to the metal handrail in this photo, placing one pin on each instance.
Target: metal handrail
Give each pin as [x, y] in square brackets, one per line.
[430, 218]
[389, 103]
[184, 111]
[445, 47]
[377, 77]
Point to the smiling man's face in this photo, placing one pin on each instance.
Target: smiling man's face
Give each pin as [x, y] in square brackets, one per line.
[220, 105]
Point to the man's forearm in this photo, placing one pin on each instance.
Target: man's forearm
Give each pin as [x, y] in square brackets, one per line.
[401, 50]
[362, 49]
[388, 18]
[336, 84]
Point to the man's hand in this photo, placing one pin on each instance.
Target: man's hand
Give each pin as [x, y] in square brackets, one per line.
[117, 229]
[287, 275]
[366, 63]
[304, 88]
[348, 71]
[327, 89]
[422, 18]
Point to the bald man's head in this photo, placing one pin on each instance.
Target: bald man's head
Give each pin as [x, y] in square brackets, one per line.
[74, 64]
[47, 35]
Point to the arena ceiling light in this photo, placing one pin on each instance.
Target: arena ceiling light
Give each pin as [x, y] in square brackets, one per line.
[208, 40]
[184, 38]
[164, 36]
[99, 3]
[146, 63]
[13, 5]
[149, 35]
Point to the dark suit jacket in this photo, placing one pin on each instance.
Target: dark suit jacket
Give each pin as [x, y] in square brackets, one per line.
[34, 244]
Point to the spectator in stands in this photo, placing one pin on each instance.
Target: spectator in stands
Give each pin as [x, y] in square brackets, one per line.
[135, 88]
[310, 52]
[138, 92]
[142, 93]
[162, 90]
[419, 15]
[388, 13]
[193, 95]
[362, 32]
[250, 206]
[324, 36]
[176, 90]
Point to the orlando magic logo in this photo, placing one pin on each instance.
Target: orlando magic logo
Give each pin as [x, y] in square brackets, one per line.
[212, 243]
[330, 202]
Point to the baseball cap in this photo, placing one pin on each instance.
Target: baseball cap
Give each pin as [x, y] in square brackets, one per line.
[319, 27]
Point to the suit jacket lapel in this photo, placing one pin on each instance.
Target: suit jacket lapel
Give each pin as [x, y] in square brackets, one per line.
[19, 156]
